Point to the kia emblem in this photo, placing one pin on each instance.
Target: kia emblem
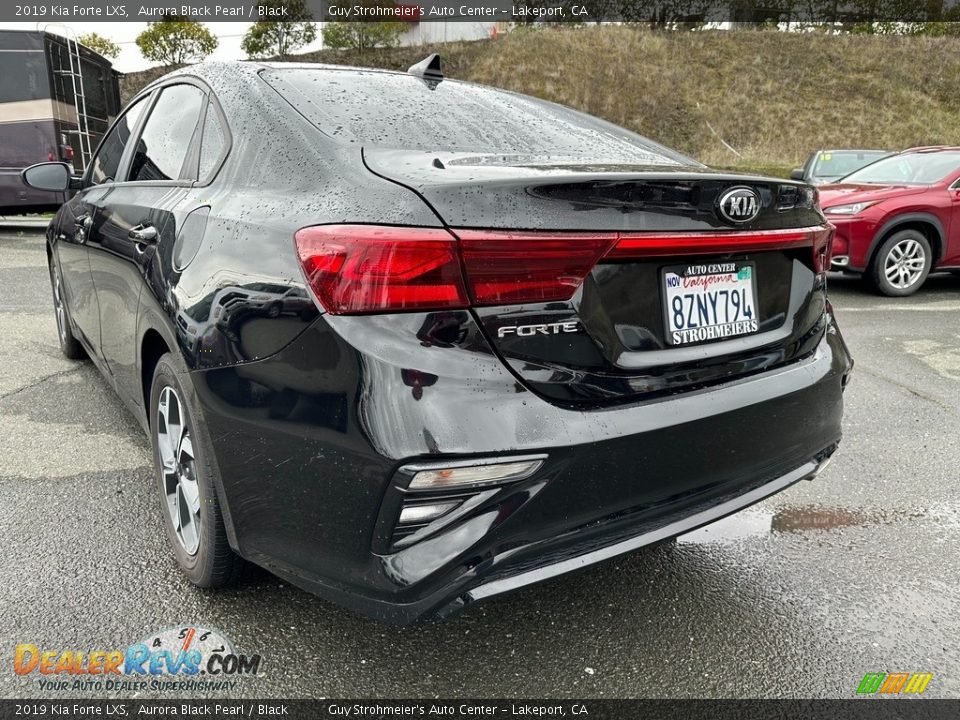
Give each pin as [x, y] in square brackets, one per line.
[739, 205]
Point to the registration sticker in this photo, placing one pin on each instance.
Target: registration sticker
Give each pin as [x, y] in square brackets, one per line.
[710, 301]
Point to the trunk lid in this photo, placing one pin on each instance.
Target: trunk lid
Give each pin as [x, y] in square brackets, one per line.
[613, 340]
[513, 191]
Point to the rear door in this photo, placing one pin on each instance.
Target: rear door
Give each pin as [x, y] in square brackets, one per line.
[77, 221]
[135, 216]
[951, 251]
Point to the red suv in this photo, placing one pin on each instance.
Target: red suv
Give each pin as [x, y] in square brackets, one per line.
[898, 218]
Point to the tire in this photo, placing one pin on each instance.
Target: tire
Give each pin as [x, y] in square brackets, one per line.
[186, 482]
[69, 345]
[901, 264]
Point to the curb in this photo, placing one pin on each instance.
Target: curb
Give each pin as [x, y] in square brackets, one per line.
[15, 223]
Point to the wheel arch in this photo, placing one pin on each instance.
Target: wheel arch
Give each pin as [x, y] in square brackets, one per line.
[926, 223]
[153, 346]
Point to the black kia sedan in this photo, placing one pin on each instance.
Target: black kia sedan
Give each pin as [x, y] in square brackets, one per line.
[410, 343]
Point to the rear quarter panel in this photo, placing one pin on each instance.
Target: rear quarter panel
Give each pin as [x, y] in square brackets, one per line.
[229, 289]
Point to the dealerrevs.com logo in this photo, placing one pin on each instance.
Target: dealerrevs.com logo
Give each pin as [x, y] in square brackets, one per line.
[181, 658]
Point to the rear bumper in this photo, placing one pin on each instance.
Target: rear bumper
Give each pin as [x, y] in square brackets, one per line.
[310, 481]
[710, 511]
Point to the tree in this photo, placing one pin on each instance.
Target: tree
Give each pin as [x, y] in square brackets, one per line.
[363, 35]
[98, 43]
[937, 29]
[667, 14]
[175, 41]
[269, 38]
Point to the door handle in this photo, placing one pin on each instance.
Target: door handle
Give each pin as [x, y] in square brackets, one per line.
[146, 234]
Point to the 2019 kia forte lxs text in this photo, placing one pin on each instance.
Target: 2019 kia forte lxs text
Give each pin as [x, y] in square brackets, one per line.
[409, 342]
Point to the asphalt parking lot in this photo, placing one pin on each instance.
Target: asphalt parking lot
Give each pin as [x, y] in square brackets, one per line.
[798, 597]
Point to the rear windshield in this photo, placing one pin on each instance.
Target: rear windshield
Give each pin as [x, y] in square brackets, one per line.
[908, 169]
[403, 111]
[844, 162]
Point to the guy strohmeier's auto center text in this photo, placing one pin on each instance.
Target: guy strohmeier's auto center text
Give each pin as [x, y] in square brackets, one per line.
[254, 11]
[110, 11]
[402, 11]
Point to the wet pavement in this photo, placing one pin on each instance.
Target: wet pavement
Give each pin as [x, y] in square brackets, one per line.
[799, 596]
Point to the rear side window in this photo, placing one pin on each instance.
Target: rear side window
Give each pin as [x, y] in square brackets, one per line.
[167, 134]
[212, 143]
[403, 111]
[24, 75]
[107, 160]
[909, 169]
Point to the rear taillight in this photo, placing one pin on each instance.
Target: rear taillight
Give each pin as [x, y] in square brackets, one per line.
[707, 243]
[652, 245]
[506, 268]
[356, 269]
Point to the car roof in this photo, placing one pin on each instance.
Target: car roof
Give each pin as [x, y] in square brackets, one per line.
[870, 150]
[212, 70]
[932, 149]
[325, 66]
[215, 71]
[854, 150]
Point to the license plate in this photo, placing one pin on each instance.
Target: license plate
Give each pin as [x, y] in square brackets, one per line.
[711, 301]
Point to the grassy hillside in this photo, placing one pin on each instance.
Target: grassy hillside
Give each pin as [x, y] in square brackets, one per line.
[772, 96]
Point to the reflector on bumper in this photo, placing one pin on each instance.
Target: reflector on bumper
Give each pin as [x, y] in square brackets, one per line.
[472, 475]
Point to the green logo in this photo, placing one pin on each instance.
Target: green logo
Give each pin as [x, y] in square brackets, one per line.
[744, 273]
[894, 683]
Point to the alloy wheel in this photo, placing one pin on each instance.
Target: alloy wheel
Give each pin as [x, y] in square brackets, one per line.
[58, 303]
[905, 263]
[178, 465]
